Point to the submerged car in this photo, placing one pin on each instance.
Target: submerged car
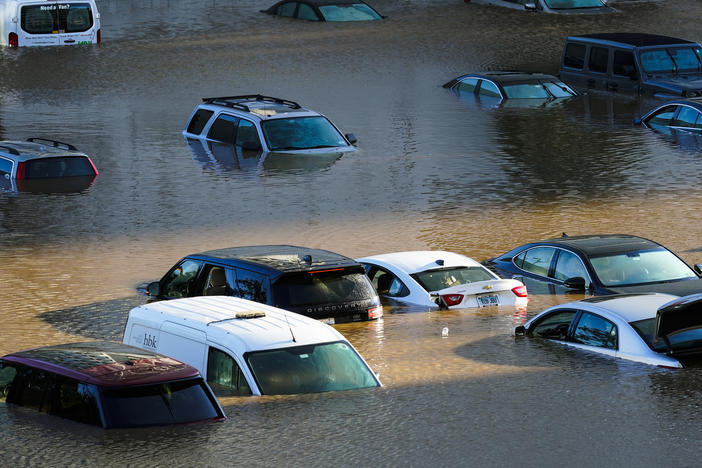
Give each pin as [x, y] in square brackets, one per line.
[325, 10]
[107, 384]
[567, 7]
[246, 348]
[647, 64]
[440, 279]
[600, 264]
[511, 85]
[658, 329]
[313, 282]
[257, 123]
[683, 114]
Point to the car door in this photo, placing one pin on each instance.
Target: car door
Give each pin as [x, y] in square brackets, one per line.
[225, 375]
[598, 65]
[38, 24]
[76, 23]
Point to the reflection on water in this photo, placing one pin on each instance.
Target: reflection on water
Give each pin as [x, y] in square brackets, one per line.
[431, 172]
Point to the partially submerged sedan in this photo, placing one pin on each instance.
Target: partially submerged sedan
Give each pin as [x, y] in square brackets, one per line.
[658, 329]
[325, 10]
[511, 85]
[675, 118]
[440, 279]
[567, 7]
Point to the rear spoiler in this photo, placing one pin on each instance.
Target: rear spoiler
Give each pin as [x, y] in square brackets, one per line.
[679, 326]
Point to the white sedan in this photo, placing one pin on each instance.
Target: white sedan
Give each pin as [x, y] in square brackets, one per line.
[440, 279]
[653, 328]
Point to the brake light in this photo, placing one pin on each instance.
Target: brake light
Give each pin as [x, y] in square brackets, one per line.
[98, 36]
[452, 299]
[13, 40]
[94, 168]
[20, 171]
[375, 312]
[520, 291]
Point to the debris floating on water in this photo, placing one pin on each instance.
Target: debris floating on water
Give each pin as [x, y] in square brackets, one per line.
[444, 331]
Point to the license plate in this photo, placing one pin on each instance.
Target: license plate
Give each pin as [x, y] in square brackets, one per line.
[488, 300]
[328, 321]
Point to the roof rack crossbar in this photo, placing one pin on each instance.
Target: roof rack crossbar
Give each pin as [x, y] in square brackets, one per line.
[224, 100]
[10, 150]
[54, 143]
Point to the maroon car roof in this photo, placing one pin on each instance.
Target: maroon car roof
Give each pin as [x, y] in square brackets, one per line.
[104, 363]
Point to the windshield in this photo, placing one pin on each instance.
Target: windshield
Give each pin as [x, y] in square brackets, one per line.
[435, 280]
[564, 4]
[354, 12]
[537, 90]
[639, 267]
[330, 287]
[310, 369]
[165, 403]
[672, 60]
[301, 133]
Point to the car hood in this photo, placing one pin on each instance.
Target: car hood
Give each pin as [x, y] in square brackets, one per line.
[677, 288]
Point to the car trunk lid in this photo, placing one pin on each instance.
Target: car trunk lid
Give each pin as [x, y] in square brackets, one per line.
[679, 326]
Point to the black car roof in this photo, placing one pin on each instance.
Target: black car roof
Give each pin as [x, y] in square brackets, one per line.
[503, 77]
[281, 257]
[603, 244]
[636, 39]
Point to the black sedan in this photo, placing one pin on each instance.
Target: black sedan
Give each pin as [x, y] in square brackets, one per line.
[681, 120]
[511, 85]
[325, 10]
[599, 264]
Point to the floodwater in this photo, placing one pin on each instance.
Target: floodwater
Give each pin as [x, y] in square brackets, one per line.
[432, 172]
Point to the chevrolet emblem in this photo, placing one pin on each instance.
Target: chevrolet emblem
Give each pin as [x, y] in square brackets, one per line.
[487, 286]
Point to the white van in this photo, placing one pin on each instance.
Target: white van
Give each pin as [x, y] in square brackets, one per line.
[248, 348]
[48, 22]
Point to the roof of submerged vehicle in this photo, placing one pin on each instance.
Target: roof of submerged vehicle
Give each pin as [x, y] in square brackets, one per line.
[603, 244]
[635, 39]
[258, 105]
[249, 325]
[282, 257]
[104, 363]
[27, 150]
[422, 260]
[504, 77]
[631, 307]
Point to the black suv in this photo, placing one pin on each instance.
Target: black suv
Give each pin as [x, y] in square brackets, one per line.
[312, 282]
[633, 62]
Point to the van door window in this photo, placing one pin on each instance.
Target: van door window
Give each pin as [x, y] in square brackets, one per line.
[224, 129]
[574, 56]
[181, 280]
[252, 286]
[598, 59]
[75, 17]
[224, 375]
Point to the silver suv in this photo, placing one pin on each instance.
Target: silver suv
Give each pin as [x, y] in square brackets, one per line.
[263, 123]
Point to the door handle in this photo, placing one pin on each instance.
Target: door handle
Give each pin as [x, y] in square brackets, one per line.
[69, 41]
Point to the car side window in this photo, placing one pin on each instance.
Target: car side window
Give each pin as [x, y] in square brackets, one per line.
[468, 85]
[7, 376]
[593, 330]
[224, 129]
[5, 166]
[537, 260]
[199, 120]
[387, 284]
[569, 265]
[574, 56]
[623, 63]
[252, 286]
[246, 134]
[181, 280]
[488, 88]
[216, 281]
[554, 326]
[306, 12]
[598, 59]
[32, 388]
[224, 375]
[76, 401]
[687, 117]
[663, 116]
[287, 9]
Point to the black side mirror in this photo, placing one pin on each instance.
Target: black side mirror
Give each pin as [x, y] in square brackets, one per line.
[153, 289]
[576, 282]
[698, 269]
[251, 146]
[352, 138]
[520, 331]
[530, 6]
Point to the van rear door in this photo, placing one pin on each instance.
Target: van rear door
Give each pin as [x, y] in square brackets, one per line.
[78, 23]
[679, 326]
[37, 24]
[57, 23]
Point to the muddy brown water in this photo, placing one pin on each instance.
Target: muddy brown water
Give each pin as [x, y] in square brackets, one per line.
[432, 172]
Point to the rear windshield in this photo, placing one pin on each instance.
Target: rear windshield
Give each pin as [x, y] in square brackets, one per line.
[328, 287]
[353, 12]
[70, 166]
[56, 18]
[310, 369]
[165, 403]
[435, 280]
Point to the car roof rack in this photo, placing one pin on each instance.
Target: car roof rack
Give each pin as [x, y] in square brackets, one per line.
[227, 101]
[10, 150]
[54, 143]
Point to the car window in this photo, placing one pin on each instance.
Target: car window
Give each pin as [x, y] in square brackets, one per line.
[468, 85]
[76, 401]
[558, 89]
[181, 280]
[325, 287]
[246, 134]
[641, 266]
[224, 128]
[488, 88]
[593, 330]
[537, 260]
[598, 59]
[5, 166]
[656, 61]
[565, 4]
[574, 56]
[526, 91]
[48, 168]
[442, 278]
[224, 375]
[623, 63]
[569, 265]
[199, 120]
[32, 388]
[306, 12]
[351, 12]
[55, 18]
[287, 9]
[301, 133]
[687, 117]
[216, 282]
[663, 116]
[387, 284]
[77, 17]
[554, 326]
[251, 285]
[685, 59]
[7, 376]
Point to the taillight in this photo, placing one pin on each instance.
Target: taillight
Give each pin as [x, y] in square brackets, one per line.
[13, 40]
[20, 171]
[520, 291]
[375, 312]
[98, 36]
[452, 299]
[94, 168]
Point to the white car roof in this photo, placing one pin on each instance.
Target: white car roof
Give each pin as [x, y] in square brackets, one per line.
[421, 260]
[630, 307]
[217, 317]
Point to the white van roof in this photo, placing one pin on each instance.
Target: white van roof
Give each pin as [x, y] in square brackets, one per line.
[239, 324]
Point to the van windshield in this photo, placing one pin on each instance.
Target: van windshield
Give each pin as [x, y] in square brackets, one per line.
[45, 168]
[54, 18]
[309, 369]
[327, 287]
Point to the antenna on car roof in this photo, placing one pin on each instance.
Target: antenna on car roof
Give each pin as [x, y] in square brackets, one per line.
[285, 312]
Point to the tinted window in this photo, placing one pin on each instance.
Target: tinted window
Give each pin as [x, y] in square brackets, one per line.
[224, 376]
[598, 59]
[44, 168]
[199, 120]
[435, 280]
[468, 85]
[287, 9]
[331, 287]
[687, 117]
[554, 326]
[488, 88]
[247, 134]
[574, 56]
[181, 281]
[538, 260]
[55, 18]
[623, 63]
[77, 401]
[75, 17]
[307, 13]
[32, 388]
[7, 376]
[663, 116]
[5, 166]
[569, 265]
[216, 282]
[224, 128]
[164, 403]
[593, 330]
[252, 286]
[355, 12]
